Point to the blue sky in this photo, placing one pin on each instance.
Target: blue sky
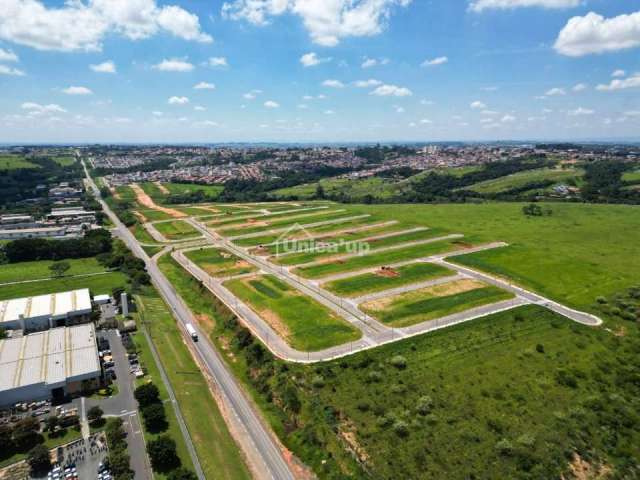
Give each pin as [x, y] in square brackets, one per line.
[318, 70]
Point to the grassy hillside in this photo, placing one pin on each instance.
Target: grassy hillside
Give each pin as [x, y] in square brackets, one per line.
[522, 179]
[15, 162]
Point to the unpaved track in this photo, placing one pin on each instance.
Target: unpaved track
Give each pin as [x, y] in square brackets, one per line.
[147, 201]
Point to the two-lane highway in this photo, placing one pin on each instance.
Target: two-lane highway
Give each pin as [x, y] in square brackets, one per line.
[265, 457]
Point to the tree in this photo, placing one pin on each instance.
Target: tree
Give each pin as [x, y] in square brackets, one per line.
[59, 268]
[320, 192]
[146, 394]
[95, 414]
[181, 474]
[162, 453]
[118, 463]
[154, 417]
[51, 423]
[38, 459]
[6, 442]
[114, 431]
[26, 434]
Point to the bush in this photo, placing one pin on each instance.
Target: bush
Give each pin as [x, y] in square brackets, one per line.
[504, 447]
[399, 362]
[566, 379]
[540, 348]
[424, 405]
[155, 419]
[94, 415]
[601, 300]
[317, 381]
[38, 459]
[147, 394]
[162, 453]
[374, 377]
[401, 428]
[181, 474]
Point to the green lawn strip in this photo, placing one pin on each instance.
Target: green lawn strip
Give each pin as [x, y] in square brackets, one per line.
[153, 215]
[141, 234]
[64, 160]
[151, 251]
[181, 188]
[219, 263]
[152, 189]
[371, 282]
[37, 270]
[632, 176]
[374, 259]
[411, 308]
[194, 210]
[217, 451]
[228, 222]
[264, 225]
[149, 308]
[177, 230]
[353, 246]
[331, 227]
[97, 284]
[310, 325]
[126, 193]
[345, 236]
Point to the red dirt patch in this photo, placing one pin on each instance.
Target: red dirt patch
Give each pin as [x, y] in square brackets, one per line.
[463, 244]
[387, 272]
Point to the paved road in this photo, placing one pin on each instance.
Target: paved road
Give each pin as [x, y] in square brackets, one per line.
[258, 442]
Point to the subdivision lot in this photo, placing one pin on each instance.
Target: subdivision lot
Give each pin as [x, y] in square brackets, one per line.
[97, 284]
[151, 215]
[387, 279]
[265, 224]
[301, 321]
[219, 263]
[387, 257]
[326, 250]
[433, 302]
[177, 230]
[259, 215]
[37, 270]
[217, 452]
[335, 226]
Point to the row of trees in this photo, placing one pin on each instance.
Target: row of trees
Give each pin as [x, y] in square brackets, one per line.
[118, 459]
[93, 243]
[162, 449]
[121, 258]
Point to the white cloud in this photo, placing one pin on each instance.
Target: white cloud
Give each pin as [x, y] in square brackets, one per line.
[303, 106]
[399, 109]
[7, 56]
[329, 112]
[435, 61]
[478, 105]
[199, 108]
[217, 62]
[38, 109]
[104, 67]
[579, 87]
[581, 111]
[77, 91]
[333, 84]
[174, 65]
[632, 113]
[178, 100]
[508, 119]
[621, 84]
[424, 101]
[206, 123]
[554, 92]
[618, 73]
[374, 62]
[5, 70]
[595, 34]
[481, 5]
[367, 83]
[391, 91]
[157, 113]
[326, 21]
[311, 60]
[426, 121]
[252, 94]
[489, 113]
[204, 86]
[78, 25]
[271, 104]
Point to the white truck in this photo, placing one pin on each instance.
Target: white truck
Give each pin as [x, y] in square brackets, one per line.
[192, 332]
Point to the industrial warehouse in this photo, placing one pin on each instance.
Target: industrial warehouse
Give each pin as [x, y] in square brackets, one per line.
[45, 311]
[50, 364]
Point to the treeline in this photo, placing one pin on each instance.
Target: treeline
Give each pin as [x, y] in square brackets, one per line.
[121, 258]
[94, 242]
[604, 183]
[253, 191]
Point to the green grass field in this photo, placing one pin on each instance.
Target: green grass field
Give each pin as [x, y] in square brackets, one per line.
[361, 262]
[633, 176]
[152, 215]
[219, 263]
[38, 270]
[374, 282]
[181, 188]
[521, 179]
[97, 284]
[433, 302]
[15, 162]
[228, 221]
[303, 322]
[297, 219]
[359, 188]
[177, 230]
[141, 234]
[126, 193]
[64, 160]
[218, 453]
[354, 246]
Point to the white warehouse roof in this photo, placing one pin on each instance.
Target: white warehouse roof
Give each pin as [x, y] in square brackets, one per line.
[53, 305]
[53, 358]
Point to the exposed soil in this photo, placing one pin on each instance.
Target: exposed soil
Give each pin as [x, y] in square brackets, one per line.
[387, 272]
[583, 470]
[162, 188]
[348, 434]
[206, 322]
[242, 264]
[147, 201]
[259, 251]
[141, 216]
[463, 244]
[276, 323]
